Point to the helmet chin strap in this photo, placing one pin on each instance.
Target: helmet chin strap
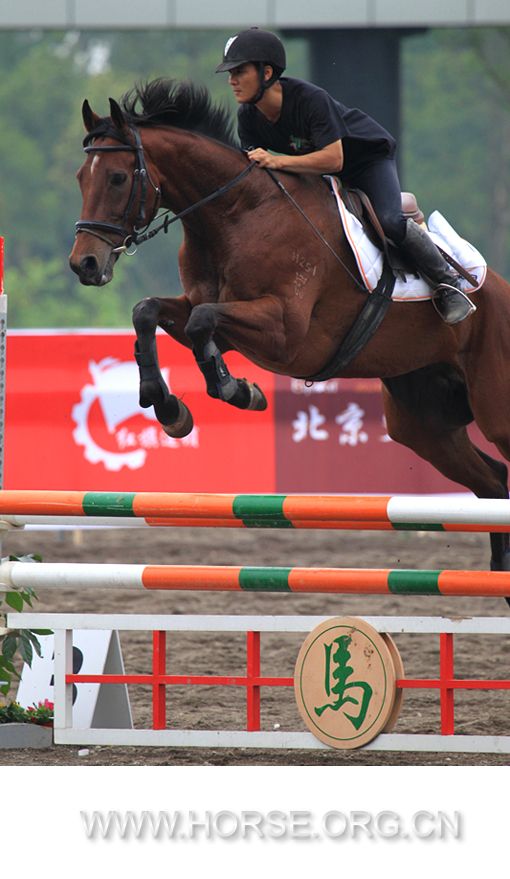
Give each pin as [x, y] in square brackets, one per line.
[263, 84]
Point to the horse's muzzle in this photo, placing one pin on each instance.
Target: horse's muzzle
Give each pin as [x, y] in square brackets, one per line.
[90, 273]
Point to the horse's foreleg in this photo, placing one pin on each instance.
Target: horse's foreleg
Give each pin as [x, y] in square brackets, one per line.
[247, 325]
[174, 417]
[222, 385]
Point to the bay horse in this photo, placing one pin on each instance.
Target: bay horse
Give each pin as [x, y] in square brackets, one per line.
[280, 286]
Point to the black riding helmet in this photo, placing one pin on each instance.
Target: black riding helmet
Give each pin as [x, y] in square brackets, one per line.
[259, 47]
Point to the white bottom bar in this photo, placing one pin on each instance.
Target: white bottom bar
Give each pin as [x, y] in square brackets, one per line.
[177, 738]
[240, 623]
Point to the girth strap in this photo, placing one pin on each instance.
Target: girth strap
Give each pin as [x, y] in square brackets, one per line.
[363, 328]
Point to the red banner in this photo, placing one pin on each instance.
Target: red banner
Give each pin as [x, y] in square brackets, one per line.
[73, 422]
[332, 437]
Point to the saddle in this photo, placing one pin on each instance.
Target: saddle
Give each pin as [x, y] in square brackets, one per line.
[359, 204]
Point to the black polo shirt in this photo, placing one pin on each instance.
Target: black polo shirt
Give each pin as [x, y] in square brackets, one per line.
[310, 120]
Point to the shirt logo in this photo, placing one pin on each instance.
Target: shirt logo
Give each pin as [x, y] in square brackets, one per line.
[300, 144]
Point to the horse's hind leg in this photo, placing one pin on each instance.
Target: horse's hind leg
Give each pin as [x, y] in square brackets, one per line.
[173, 415]
[500, 542]
[489, 384]
[220, 383]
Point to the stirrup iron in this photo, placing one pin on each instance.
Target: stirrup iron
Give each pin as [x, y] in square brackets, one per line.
[446, 291]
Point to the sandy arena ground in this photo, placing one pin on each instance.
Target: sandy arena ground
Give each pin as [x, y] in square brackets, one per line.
[219, 707]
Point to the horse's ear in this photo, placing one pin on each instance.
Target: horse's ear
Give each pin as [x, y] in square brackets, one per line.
[90, 119]
[118, 118]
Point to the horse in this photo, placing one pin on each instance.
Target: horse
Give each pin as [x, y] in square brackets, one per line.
[266, 271]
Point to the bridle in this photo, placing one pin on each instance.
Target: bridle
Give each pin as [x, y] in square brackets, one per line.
[141, 177]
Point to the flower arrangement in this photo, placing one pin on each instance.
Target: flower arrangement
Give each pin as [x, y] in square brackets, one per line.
[41, 713]
[13, 712]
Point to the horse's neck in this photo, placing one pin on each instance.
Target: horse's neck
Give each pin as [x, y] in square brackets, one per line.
[191, 167]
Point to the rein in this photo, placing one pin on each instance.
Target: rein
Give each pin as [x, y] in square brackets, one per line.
[147, 235]
[316, 231]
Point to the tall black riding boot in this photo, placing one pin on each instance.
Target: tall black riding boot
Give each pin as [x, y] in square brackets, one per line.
[450, 302]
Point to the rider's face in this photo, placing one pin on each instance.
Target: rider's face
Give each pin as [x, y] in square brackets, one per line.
[244, 81]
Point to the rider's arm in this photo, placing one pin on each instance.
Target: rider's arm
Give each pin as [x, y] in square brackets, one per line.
[328, 160]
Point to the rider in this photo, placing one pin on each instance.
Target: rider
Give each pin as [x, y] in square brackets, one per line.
[315, 134]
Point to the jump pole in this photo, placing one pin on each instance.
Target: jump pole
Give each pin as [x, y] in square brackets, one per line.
[387, 513]
[209, 578]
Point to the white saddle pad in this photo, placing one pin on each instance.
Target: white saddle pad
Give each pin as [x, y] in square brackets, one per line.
[370, 259]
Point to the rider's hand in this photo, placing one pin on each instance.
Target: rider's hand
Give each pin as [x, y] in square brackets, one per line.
[265, 159]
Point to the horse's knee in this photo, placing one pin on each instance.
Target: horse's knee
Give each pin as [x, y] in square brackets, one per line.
[201, 324]
[145, 314]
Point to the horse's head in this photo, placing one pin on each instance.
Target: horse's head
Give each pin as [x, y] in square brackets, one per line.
[119, 195]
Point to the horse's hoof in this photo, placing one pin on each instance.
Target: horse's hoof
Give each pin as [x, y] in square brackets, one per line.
[153, 391]
[258, 401]
[183, 424]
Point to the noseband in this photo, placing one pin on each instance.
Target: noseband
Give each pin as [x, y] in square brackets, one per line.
[141, 178]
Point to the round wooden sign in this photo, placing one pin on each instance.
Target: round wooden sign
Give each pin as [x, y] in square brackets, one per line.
[344, 682]
[400, 674]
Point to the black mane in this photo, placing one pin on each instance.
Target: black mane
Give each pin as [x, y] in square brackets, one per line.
[181, 104]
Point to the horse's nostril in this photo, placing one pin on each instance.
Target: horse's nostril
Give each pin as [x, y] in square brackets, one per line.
[88, 265]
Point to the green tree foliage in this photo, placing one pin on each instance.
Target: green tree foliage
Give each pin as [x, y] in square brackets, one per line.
[456, 143]
[492, 47]
[41, 87]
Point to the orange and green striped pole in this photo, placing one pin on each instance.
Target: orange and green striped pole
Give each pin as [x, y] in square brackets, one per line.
[341, 581]
[419, 513]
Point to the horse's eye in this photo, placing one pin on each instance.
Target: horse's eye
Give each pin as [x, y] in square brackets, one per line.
[118, 178]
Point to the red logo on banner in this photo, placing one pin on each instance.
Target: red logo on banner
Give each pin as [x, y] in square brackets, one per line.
[111, 426]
